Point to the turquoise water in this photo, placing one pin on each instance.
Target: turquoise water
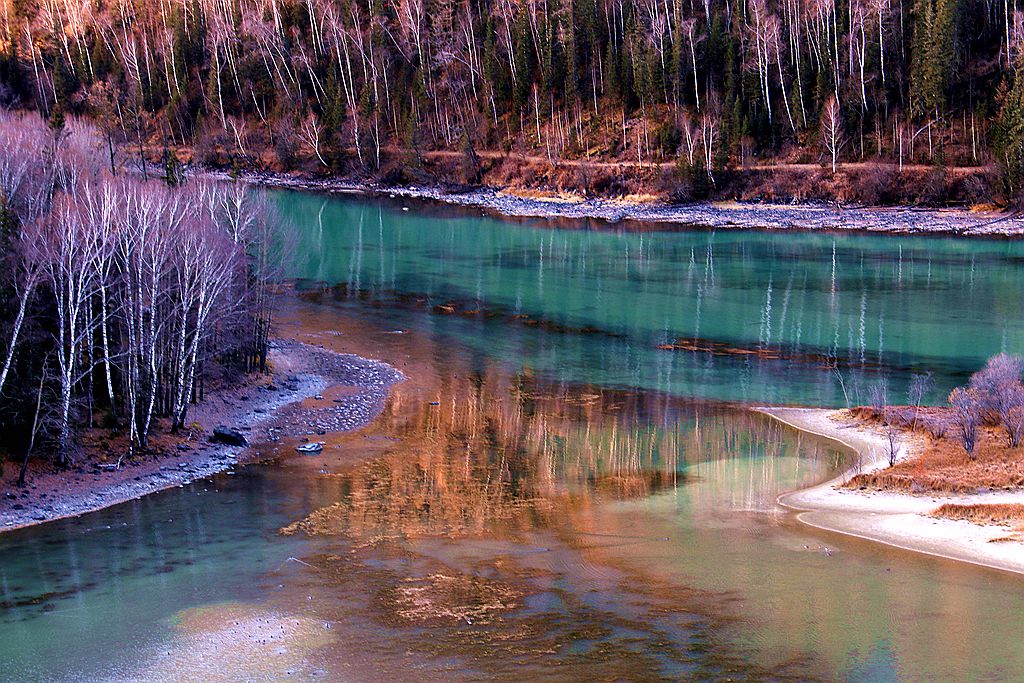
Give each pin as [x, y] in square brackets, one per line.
[110, 596]
[545, 500]
[776, 317]
[88, 597]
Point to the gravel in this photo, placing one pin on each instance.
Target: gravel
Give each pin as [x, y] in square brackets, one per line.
[67, 494]
[898, 220]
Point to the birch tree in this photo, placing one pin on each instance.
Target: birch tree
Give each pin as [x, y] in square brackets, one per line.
[71, 245]
[832, 134]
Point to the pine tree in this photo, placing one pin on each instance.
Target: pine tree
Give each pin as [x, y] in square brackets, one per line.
[1008, 136]
[933, 54]
[56, 121]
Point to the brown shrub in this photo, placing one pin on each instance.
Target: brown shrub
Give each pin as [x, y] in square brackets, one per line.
[507, 172]
[209, 145]
[977, 188]
[874, 185]
[933, 189]
[935, 425]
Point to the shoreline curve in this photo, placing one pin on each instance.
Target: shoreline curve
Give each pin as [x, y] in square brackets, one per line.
[309, 370]
[897, 520]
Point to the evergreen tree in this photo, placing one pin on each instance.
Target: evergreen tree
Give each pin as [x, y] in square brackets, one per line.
[1008, 137]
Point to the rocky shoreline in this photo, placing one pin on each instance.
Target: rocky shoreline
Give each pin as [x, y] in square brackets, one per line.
[260, 412]
[718, 215]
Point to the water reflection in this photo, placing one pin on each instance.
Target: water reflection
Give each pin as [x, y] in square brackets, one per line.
[762, 317]
[504, 453]
[616, 535]
[496, 524]
[490, 518]
[454, 538]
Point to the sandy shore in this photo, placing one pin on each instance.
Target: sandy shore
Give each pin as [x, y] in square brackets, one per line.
[896, 519]
[721, 215]
[260, 410]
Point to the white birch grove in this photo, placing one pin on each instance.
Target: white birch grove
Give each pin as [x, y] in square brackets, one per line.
[70, 247]
[129, 287]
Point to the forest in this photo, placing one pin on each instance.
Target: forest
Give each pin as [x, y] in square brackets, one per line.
[682, 95]
[118, 296]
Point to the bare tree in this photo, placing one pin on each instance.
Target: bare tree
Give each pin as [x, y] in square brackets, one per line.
[1014, 423]
[1008, 404]
[833, 138]
[312, 135]
[994, 382]
[27, 275]
[710, 125]
[70, 244]
[878, 395]
[920, 385]
[205, 269]
[36, 423]
[145, 243]
[892, 435]
[691, 138]
[967, 415]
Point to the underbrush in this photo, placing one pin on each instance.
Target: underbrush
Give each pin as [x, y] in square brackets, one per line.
[941, 465]
[868, 185]
[792, 181]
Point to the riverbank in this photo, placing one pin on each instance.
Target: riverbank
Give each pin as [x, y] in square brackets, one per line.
[895, 519]
[261, 411]
[718, 215]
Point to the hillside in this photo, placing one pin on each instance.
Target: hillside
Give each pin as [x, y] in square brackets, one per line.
[860, 100]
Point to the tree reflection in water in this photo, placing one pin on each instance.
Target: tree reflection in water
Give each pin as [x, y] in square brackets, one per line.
[495, 507]
[512, 452]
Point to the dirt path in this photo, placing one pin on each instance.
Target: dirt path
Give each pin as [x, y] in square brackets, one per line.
[495, 155]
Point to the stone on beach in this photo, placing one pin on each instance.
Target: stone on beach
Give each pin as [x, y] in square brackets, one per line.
[228, 436]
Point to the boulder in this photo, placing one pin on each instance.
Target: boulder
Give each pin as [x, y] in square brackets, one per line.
[229, 436]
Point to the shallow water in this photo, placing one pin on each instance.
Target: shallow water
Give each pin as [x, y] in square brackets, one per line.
[540, 500]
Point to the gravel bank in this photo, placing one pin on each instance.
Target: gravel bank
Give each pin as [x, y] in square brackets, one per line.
[300, 372]
[723, 215]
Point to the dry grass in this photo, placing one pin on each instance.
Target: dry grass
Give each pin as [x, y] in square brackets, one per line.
[998, 514]
[1003, 514]
[941, 465]
[985, 207]
[641, 198]
[553, 197]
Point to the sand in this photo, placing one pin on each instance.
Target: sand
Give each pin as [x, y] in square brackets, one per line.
[896, 519]
[237, 642]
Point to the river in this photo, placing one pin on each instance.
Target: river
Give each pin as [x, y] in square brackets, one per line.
[550, 495]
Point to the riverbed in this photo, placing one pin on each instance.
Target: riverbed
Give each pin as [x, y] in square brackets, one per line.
[567, 485]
